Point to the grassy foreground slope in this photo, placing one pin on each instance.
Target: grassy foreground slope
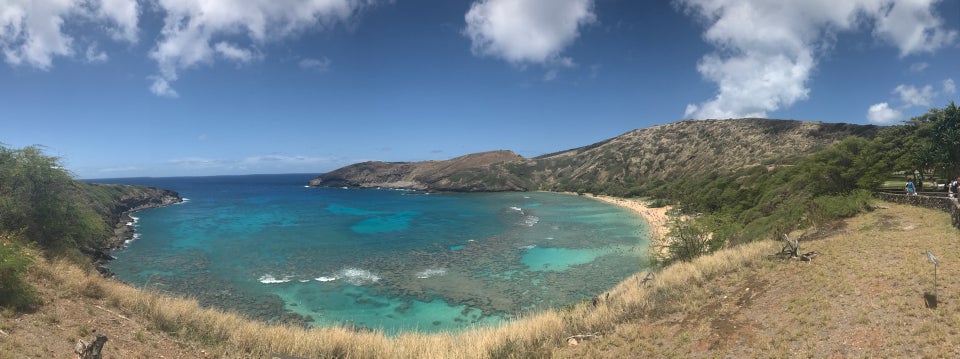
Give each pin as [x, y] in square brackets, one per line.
[863, 296]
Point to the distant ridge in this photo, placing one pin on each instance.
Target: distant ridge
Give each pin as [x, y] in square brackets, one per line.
[685, 148]
[469, 173]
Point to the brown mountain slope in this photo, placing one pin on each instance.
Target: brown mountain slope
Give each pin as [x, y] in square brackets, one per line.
[690, 148]
[662, 152]
[470, 173]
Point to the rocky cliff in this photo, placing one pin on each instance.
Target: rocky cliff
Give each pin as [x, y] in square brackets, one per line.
[685, 148]
[115, 202]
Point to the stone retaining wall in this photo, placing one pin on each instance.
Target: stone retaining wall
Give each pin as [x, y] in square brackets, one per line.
[949, 205]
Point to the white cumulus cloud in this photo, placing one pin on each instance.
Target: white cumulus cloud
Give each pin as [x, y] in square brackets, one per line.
[233, 52]
[123, 13]
[766, 51]
[915, 97]
[192, 27]
[910, 25]
[949, 87]
[95, 56]
[882, 114]
[526, 31]
[161, 87]
[31, 31]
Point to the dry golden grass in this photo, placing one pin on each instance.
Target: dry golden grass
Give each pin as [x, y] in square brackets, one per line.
[861, 297]
[536, 335]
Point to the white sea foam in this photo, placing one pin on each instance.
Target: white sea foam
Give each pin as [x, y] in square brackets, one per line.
[530, 221]
[532, 246]
[135, 236]
[518, 209]
[358, 276]
[431, 272]
[270, 279]
[353, 276]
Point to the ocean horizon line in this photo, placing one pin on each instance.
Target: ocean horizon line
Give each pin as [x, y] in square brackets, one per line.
[92, 180]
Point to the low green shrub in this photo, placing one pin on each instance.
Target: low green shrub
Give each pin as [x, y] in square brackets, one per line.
[15, 292]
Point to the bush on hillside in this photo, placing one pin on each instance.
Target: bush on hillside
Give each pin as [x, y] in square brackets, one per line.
[15, 292]
[40, 199]
[688, 240]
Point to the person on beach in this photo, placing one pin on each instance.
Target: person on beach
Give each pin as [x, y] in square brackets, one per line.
[910, 188]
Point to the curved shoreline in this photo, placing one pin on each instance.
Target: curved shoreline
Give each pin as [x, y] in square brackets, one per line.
[657, 217]
[122, 232]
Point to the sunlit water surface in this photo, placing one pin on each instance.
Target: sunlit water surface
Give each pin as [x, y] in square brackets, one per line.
[275, 250]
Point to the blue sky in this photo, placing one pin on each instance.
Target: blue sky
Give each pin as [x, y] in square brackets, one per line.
[123, 88]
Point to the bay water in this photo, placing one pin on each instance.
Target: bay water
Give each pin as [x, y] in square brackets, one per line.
[276, 250]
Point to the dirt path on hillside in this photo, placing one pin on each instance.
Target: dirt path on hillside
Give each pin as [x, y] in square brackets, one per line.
[862, 297]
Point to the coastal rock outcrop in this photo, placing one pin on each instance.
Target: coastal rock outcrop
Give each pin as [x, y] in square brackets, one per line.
[479, 172]
[139, 198]
[115, 203]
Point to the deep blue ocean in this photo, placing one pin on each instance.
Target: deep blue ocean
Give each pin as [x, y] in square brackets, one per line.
[276, 250]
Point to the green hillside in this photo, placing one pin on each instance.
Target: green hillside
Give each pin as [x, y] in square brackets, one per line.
[42, 206]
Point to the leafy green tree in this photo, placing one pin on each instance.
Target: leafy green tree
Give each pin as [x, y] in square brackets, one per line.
[40, 199]
[946, 139]
[933, 142]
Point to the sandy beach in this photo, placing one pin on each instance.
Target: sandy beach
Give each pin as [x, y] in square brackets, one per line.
[657, 217]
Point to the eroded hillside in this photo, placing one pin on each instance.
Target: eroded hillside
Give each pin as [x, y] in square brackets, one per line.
[685, 148]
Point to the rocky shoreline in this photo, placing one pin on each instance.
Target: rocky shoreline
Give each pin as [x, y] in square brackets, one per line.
[120, 219]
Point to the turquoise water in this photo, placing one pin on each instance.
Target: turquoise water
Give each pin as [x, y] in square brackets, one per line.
[278, 251]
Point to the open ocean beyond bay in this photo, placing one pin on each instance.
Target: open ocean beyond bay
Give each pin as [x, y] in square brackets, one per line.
[275, 250]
